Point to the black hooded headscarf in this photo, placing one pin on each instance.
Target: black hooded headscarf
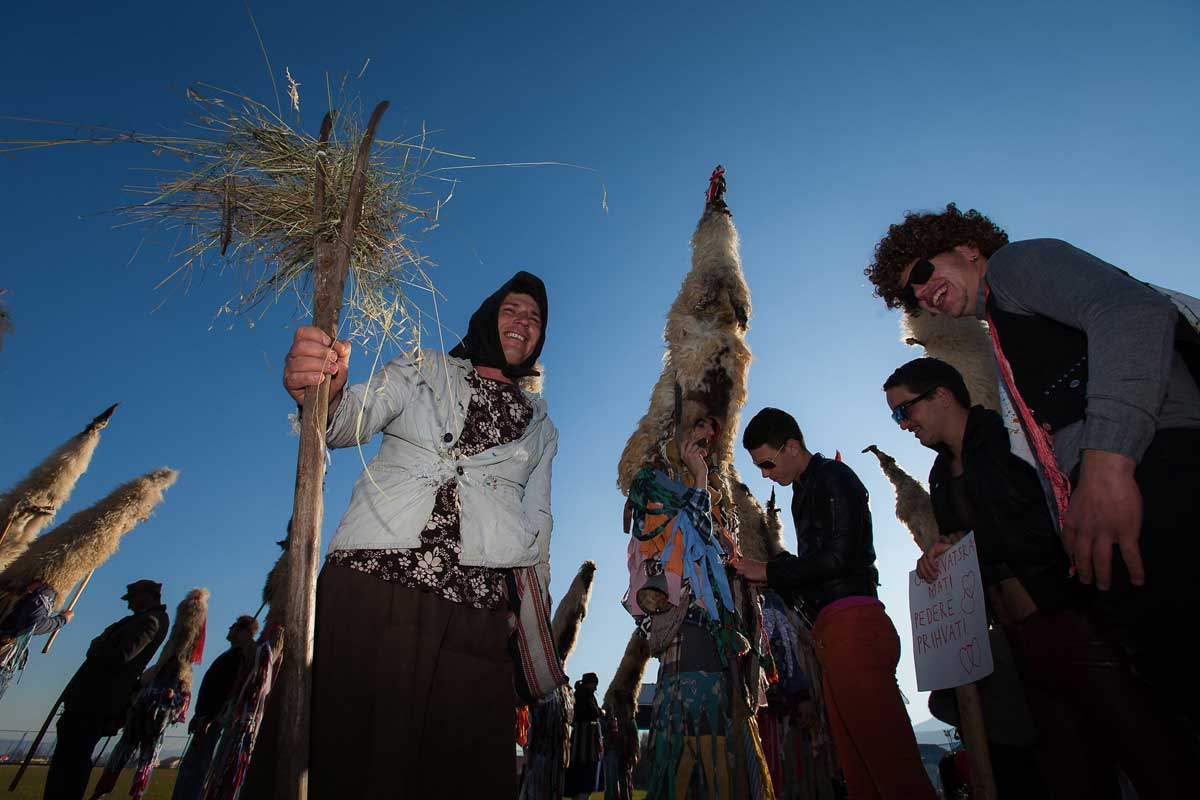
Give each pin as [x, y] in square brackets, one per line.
[481, 345]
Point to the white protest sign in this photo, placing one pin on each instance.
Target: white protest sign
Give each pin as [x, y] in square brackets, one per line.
[949, 624]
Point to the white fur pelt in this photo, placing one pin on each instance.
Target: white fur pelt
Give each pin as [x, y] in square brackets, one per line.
[568, 616]
[706, 353]
[964, 344]
[175, 659]
[85, 541]
[29, 507]
[913, 506]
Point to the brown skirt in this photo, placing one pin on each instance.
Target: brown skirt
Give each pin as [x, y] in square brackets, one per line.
[412, 694]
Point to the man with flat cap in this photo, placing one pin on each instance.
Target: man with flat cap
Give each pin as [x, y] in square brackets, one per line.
[97, 698]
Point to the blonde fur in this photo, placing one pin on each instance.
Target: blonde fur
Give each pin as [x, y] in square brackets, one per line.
[175, 659]
[706, 356]
[913, 506]
[27, 508]
[85, 541]
[275, 588]
[568, 616]
[964, 344]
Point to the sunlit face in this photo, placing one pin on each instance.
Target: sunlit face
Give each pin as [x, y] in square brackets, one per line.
[779, 464]
[924, 412]
[954, 285]
[704, 431]
[520, 322]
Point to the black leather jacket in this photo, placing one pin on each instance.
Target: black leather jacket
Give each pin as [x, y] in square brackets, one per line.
[833, 534]
[1013, 529]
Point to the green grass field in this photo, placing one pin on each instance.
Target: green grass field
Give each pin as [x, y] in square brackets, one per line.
[161, 783]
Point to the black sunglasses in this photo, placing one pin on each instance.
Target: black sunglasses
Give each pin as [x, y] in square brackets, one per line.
[920, 274]
[769, 463]
[900, 412]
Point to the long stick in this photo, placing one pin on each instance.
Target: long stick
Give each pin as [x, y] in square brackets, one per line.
[970, 713]
[12, 787]
[332, 258]
[70, 607]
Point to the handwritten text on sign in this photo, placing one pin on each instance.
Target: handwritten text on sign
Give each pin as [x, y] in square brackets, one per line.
[949, 624]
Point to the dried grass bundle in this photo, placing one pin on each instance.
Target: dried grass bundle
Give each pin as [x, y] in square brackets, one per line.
[85, 541]
[27, 508]
[244, 191]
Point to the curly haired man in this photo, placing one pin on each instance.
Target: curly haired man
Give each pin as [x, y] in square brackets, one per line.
[1104, 370]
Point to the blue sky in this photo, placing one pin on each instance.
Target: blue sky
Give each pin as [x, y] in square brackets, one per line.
[1073, 120]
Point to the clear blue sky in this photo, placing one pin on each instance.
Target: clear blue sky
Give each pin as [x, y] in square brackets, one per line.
[1073, 120]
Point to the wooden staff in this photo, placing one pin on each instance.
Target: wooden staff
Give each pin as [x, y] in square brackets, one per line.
[37, 741]
[332, 259]
[70, 607]
[970, 717]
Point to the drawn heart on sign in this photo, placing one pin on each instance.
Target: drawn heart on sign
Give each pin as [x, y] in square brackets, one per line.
[968, 598]
[970, 656]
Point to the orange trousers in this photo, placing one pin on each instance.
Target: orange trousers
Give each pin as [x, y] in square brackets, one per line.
[858, 648]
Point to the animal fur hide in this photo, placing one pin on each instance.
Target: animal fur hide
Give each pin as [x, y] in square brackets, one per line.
[28, 507]
[568, 616]
[707, 356]
[622, 692]
[963, 344]
[760, 531]
[85, 541]
[913, 506]
[274, 593]
[176, 658]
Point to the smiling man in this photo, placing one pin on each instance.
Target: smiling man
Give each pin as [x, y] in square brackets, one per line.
[1106, 366]
[833, 579]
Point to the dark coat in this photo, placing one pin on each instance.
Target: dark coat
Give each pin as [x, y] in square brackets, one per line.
[836, 549]
[218, 682]
[1014, 532]
[106, 683]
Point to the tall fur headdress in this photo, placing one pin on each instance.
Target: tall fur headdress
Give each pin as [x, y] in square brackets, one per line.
[707, 357]
[963, 344]
[185, 646]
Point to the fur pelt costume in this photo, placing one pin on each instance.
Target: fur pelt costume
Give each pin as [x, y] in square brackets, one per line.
[685, 530]
[706, 357]
[571, 609]
[963, 344]
[28, 507]
[65, 555]
[166, 692]
[913, 506]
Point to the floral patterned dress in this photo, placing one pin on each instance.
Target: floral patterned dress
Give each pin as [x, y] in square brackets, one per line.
[498, 413]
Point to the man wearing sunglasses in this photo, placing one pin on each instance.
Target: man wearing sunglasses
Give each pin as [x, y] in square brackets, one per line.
[833, 579]
[1106, 367]
[1084, 697]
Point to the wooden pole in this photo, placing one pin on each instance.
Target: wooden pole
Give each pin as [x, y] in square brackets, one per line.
[332, 259]
[37, 741]
[970, 717]
[70, 607]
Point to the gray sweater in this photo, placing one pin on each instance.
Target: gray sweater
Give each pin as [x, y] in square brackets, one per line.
[1137, 383]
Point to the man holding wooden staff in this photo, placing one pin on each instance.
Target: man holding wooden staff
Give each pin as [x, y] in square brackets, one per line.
[412, 668]
[101, 692]
[833, 581]
[1091, 712]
